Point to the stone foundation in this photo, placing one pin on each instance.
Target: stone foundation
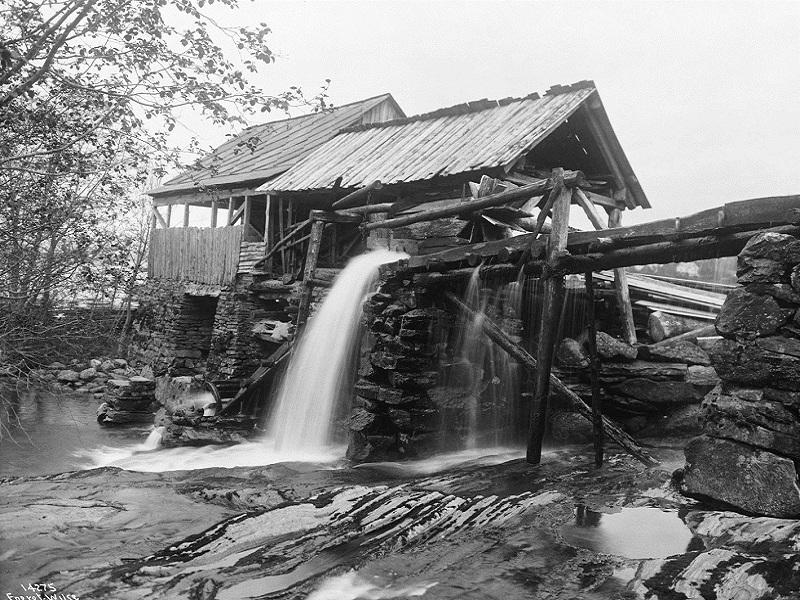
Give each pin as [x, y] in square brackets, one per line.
[128, 401]
[749, 452]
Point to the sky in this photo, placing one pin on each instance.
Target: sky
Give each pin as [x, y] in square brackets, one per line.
[703, 96]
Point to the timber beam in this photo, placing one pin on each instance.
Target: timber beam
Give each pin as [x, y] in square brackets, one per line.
[669, 240]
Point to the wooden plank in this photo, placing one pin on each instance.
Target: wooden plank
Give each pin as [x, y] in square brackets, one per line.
[553, 299]
[571, 178]
[518, 353]
[621, 290]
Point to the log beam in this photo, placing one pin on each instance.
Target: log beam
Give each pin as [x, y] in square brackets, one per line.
[621, 290]
[518, 353]
[317, 228]
[560, 199]
[571, 179]
[357, 198]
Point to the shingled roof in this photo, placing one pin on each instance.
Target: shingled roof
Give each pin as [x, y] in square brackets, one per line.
[265, 150]
[476, 136]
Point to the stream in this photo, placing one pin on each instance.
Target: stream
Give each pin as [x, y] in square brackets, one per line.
[100, 512]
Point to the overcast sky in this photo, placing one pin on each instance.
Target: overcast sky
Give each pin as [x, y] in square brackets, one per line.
[702, 95]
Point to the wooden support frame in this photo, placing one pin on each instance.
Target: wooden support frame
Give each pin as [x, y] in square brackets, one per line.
[169, 216]
[317, 228]
[186, 206]
[560, 199]
[518, 353]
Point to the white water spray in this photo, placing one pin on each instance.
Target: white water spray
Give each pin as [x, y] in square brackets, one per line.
[319, 367]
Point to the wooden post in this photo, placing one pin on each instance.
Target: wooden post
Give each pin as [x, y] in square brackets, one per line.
[214, 209]
[621, 288]
[267, 232]
[551, 310]
[248, 210]
[597, 410]
[317, 227]
[518, 353]
[281, 233]
[289, 222]
[230, 210]
[186, 214]
[169, 215]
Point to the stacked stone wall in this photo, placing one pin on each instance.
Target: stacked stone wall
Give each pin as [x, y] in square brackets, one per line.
[749, 452]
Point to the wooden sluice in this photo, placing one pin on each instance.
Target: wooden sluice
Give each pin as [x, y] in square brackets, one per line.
[552, 253]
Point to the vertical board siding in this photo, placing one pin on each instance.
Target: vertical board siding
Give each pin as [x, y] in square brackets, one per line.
[196, 254]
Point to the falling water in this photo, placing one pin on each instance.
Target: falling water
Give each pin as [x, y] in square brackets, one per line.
[319, 368]
[493, 390]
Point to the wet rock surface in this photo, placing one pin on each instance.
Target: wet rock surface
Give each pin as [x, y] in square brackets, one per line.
[474, 529]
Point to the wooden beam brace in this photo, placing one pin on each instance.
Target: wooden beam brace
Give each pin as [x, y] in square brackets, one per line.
[583, 201]
[158, 218]
[518, 353]
[237, 214]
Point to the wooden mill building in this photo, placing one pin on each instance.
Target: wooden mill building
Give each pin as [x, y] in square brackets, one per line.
[222, 297]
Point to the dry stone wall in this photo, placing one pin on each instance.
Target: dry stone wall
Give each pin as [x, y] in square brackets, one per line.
[749, 452]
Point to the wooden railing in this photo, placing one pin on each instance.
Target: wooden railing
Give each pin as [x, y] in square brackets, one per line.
[201, 255]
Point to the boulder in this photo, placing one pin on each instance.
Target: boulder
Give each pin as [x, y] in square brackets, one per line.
[570, 354]
[610, 348]
[361, 420]
[772, 361]
[68, 376]
[752, 480]
[120, 363]
[95, 363]
[88, 374]
[703, 377]
[780, 247]
[56, 366]
[745, 315]
[660, 395]
[107, 366]
[748, 416]
[676, 352]
[782, 292]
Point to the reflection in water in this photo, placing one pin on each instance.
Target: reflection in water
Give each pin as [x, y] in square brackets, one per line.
[631, 532]
[48, 433]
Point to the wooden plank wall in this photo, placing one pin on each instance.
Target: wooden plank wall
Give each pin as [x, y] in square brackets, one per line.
[197, 254]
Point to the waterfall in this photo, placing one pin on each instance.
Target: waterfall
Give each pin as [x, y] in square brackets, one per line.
[492, 401]
[321, 363]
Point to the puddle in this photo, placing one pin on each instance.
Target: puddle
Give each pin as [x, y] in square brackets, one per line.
[633, 532]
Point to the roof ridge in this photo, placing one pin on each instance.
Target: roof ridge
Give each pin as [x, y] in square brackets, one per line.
[318, 112]
[473, 106]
